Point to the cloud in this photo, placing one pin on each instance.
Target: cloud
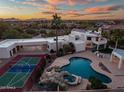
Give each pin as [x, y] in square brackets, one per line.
[98, 11]
[14, 8]
[73, 2]
[48, 7]
[51, 13]
[53, 5]
[71, 12]
[33, 3]
[47, 13]
[57, 2]
[75, 13]
[62, 12]
[87, 14]
[103, 9]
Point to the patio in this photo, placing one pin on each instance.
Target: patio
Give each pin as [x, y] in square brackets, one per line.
[117, 75]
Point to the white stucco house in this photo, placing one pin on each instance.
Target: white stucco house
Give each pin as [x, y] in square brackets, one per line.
[91, 37]
[79, 37]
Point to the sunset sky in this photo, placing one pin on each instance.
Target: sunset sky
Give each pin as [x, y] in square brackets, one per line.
[67, 9]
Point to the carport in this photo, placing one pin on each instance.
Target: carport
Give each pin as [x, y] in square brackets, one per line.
[119, 53]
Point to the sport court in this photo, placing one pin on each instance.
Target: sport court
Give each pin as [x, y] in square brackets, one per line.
[17, 75]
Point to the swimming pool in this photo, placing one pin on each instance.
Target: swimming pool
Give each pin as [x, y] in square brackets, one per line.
[81, 67]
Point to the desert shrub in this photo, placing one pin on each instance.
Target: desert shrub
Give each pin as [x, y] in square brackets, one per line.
[96, 83]
[52, 51]
[61, 52]
[67, 48]
[48, 58]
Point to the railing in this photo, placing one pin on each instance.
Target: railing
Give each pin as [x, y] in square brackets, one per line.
[100, 41]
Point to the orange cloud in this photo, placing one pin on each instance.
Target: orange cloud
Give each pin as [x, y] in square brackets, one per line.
[103, 9]
[48, 8]
[54, 2]
[72, 12]
[39, 3]
[73, 2]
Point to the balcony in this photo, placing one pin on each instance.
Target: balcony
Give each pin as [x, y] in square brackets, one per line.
[99, 41]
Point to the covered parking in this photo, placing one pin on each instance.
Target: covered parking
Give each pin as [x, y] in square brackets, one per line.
[12, 47]
[15, 50]
[34, 49]
[117, 56]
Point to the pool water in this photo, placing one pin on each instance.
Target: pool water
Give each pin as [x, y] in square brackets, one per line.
[81, 67]
[70, 78]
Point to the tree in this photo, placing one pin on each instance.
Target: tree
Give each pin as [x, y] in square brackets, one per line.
[61, 52]
[11, 34]
[67, 48]
[51, 34]
[3, 27]
[116, 36]
[14, 34]
[105, 34]
[56, 22]
[26, 35]
[96, 83]
[48, 59]
[32, 31]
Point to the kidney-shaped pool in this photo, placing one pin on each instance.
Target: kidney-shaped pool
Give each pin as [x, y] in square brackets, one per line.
[81, 67]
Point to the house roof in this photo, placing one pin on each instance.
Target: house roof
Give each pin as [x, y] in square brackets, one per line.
[9, 42]
[119, 52]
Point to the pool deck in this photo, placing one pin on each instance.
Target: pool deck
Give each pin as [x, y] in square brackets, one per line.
[116, 75]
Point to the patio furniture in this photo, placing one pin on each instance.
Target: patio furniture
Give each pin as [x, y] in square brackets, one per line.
[98, 54]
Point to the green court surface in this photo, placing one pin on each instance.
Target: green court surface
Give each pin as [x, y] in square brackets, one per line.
[28, 60]
[18, 79]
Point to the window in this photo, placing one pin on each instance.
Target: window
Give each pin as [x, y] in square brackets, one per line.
[97, 38]
[77, 37]
[10, 53]
[88, 38]
[89, 44]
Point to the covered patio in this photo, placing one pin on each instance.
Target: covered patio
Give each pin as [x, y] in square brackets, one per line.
[117, 56]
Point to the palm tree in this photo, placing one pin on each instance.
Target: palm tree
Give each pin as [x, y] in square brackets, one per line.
[116, 37]
[56, 23]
